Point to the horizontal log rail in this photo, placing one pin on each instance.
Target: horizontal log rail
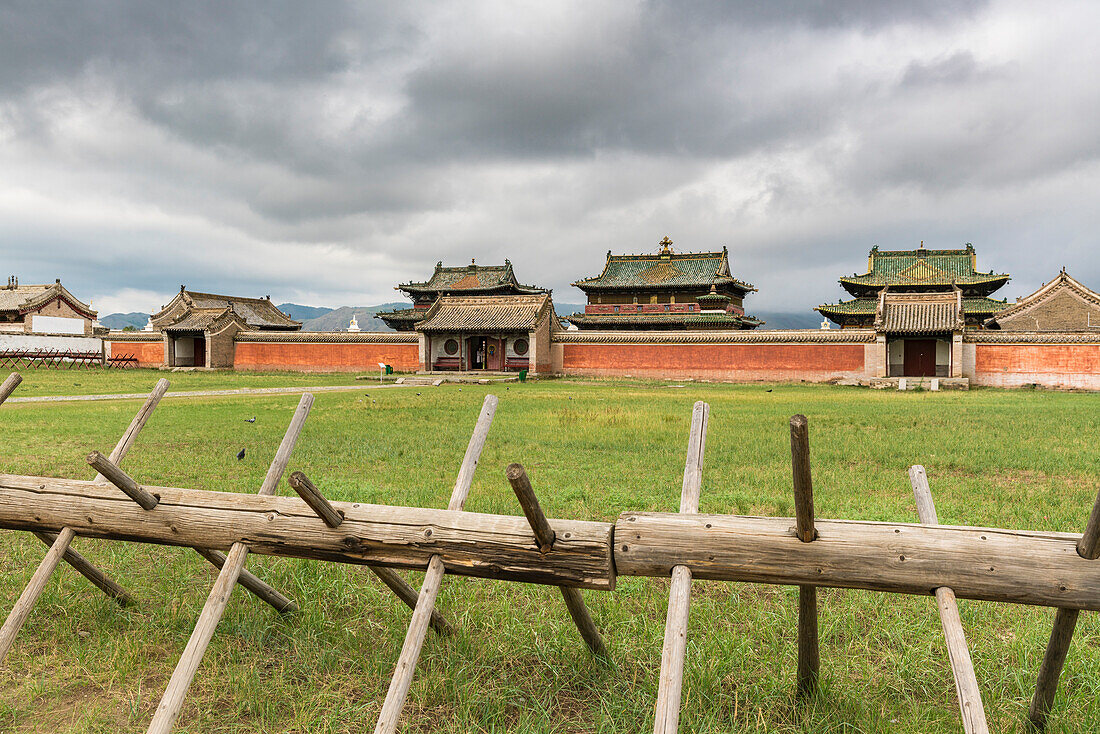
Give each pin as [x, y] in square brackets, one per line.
[1015, 566]
[469, 544]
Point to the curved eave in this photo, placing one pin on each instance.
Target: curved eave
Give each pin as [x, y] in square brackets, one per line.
[733, 283]
[859, 287]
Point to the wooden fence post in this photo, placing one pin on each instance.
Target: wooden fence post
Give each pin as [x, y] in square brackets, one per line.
[809, 661]
[165, 717]
[9, 385]
[544, 537]
[418, 625]
[1065, 621]
[59, 544]
[966, 682]
[667, 718]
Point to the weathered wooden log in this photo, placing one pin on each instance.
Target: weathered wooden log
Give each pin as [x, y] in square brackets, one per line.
[398, 690]
[312, 496]
[252, 583]
[666, 719]
[809, 661]
[122, 480]
[9, 385]
[966, 682]
[170, 703]
[544, 538]
[1065, 621]
[25, 603]
[470, 544]
[1014, 566]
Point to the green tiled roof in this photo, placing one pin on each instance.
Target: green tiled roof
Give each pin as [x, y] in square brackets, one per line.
[471, 279]
[663, 320]
[665, 270]
[923, 267]
[867, 306]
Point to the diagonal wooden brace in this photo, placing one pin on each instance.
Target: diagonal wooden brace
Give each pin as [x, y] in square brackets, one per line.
[332, 517]
[165, 717]
[1065, 621]
[667, 716]
[433, 579]
[966, 682]
[809, 661]
[544, 538]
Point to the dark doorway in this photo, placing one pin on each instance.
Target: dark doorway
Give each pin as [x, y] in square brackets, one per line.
[920, 357]
[475, 352]
[200, 352]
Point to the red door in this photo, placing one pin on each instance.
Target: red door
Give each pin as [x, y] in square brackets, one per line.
[920, 358]
[494, 354]
[200, 352]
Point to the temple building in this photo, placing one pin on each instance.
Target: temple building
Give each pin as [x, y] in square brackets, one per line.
[200, 328]
[668, 290]
[490, 333]
[919, 302]
[1063, 304]
[43, 309]
[464, 280]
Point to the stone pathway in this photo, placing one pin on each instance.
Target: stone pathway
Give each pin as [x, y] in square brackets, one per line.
[202, 393]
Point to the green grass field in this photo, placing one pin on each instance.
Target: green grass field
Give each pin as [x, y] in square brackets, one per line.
[1025, 459]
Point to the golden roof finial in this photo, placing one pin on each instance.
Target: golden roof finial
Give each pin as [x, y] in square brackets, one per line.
[666, 246]
[922, 244]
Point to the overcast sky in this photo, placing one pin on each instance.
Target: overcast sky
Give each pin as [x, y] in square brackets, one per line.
[322, 152]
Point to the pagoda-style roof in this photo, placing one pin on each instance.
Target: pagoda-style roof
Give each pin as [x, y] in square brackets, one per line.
[868, 307]
[194, 311]
[659, 321]
[923, 270]
[919, 313]
[23, 299]
[1062, 287]
[487, 314]
[665, 270]
[472, 279]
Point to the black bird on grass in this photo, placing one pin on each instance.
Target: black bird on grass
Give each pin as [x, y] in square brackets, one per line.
[250, 420]
[240, 454]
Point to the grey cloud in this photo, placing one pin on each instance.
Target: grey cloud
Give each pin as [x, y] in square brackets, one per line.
[256, 135]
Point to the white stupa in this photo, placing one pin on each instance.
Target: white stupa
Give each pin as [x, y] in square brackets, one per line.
[149, 325]
[354, 325]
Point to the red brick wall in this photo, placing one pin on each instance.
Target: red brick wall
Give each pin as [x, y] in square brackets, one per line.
[816, 362]
[1054, 365]
[149, 354]
[323, 357]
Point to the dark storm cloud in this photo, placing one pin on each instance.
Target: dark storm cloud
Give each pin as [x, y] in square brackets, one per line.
[327, 150]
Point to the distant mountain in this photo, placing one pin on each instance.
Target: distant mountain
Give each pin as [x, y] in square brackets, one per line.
[303, 313]
[788, 319]
[338, 319]
[567, 309]
[119, 321]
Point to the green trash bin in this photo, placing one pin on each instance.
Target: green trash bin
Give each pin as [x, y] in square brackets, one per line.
[389, 369]
[523, 375]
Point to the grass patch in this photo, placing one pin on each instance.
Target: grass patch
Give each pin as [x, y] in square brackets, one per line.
[99, 381]
[592, 449]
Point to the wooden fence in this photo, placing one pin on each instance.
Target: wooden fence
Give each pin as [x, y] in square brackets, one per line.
[67, 358]
[947, 562]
